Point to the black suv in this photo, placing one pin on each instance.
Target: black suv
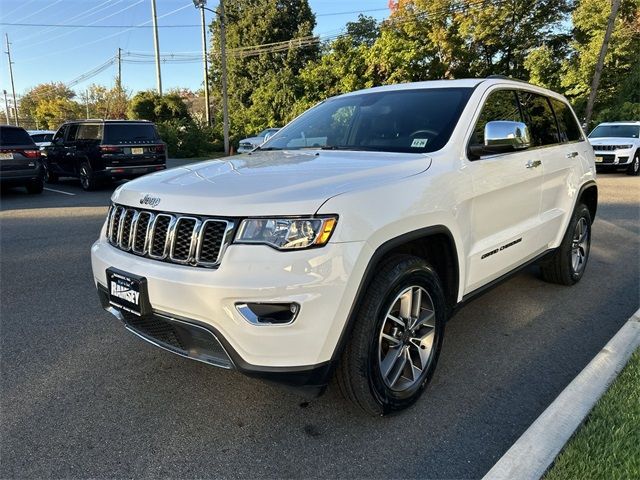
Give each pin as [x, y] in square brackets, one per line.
[19, 159]
[103, 150]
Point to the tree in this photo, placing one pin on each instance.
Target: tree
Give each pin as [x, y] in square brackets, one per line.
[620, 74]
[264, 76]
[148, 105]
[35, 99]
[107, 103]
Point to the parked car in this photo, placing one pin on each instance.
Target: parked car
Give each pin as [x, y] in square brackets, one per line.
[42, 138]
[248, 144]
[344, 243]
[617, 145]
[19, 160]
[103, 150]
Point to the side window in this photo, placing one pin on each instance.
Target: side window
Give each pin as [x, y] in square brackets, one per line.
[501, 105]
[539, 118]
[59, 136]
[569, 129]
[72, 131]
[89, 132]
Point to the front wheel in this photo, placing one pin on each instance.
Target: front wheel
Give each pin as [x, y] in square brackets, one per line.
[634, 168]
[568, 263]
[397, 337]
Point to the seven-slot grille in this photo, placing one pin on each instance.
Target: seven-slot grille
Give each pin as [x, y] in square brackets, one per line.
[184, 239]
[609, 148]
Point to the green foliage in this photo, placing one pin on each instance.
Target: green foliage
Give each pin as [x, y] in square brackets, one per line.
[608, 444]
[49, 104]
[106, 102]
[187, 139]
[262, 87]
[148, 105]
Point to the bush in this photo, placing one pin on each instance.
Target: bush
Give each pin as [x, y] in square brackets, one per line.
[187, 139]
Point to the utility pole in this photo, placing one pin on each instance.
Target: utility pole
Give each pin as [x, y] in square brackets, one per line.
[86, 101]
[615, 5]
[13, 87]
[119, 68]
[207, 108]
[223, 64]
[6, 107]
[156, 45]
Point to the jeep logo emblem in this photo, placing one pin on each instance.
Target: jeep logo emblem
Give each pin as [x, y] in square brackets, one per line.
[149, 200]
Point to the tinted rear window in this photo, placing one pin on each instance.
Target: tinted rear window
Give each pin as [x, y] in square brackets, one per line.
[14, 136]
[129, 133]
[42, 137]
[569, 129]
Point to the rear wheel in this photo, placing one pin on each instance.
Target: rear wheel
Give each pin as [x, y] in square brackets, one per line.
[634, 168]
[35, 186]
[87, 178]
[397, 337]
[568, 263]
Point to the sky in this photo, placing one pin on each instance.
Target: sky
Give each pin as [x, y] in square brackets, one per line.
[57, 54]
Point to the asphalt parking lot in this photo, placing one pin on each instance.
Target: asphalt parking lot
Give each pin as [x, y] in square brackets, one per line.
[81, 397]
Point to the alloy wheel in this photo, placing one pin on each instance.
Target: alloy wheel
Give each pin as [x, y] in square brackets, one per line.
[84, 177]
[580, 245]
[406, 339]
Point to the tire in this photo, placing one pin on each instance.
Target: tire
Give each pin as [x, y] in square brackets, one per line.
[35, 186]
[634, 168]
[360, 373]
[88, 180]
[50, 177]
[568, 263]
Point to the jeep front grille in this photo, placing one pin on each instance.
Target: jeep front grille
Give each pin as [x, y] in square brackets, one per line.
[185, 239]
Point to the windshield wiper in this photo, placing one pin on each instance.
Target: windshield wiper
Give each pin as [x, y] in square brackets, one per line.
[266, 149]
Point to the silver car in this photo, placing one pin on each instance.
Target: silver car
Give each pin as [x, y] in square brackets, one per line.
[42, 138]
[248, 144]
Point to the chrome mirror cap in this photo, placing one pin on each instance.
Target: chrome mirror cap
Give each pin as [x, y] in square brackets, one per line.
[507, 133]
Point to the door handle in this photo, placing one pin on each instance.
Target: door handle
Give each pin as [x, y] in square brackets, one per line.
[572, 154]
[533, 163]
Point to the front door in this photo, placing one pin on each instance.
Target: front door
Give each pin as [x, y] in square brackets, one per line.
[505, 210]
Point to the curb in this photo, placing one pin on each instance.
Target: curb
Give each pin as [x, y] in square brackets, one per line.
[532, 454]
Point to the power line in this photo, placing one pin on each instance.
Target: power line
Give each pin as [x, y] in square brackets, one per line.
[62, 25]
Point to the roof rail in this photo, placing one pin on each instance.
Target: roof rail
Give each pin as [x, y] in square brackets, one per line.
[505, 77]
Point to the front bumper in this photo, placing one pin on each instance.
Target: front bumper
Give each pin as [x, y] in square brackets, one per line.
[614, 158]
[322, 281]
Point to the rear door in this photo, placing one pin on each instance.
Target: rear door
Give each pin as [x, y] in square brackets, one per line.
[506, 199]
[562, 166]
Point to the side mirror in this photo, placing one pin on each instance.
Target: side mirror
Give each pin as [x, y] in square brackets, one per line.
[502, 136]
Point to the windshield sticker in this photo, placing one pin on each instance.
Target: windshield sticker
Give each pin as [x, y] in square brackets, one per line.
[419, 142]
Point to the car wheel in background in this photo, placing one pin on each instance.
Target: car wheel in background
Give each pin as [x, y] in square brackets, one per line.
[567, 264]
[634, 168]
[49, 176]
[397, 336]
[35, 186]
[87, 177]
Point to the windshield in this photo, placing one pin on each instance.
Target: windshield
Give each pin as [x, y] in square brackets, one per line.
[42, 137]
[414, 121]
[115, 133]
[622, 131]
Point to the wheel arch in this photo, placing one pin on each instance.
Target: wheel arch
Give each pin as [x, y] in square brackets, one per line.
[435, 244]
[589, 196]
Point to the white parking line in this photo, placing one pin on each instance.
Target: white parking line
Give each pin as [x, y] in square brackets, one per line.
[58, 191]
[536, 449]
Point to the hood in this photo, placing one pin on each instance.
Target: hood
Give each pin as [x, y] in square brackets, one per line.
[267, 183]
[612, 141]
[253, 140]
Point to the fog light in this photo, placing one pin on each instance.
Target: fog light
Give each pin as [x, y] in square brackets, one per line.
[268, 313]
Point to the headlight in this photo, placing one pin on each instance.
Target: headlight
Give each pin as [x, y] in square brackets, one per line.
[287, 233]
[624, 147]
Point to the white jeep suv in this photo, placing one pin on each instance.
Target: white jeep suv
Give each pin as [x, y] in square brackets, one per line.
[616, 145]
[344, 243]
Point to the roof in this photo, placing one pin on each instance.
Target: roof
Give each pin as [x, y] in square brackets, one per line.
[620, 123]
[102, 120]
[36, 132]
[460, 83]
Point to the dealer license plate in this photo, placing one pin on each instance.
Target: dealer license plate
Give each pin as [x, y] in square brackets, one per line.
[137, 151]
[128, 292]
